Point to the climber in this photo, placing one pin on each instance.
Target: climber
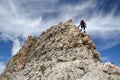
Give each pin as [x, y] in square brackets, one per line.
[83, 25]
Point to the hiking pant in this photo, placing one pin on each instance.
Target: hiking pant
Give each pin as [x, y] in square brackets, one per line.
[82, 28]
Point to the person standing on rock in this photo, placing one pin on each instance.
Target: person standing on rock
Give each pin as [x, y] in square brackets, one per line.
[83, 25]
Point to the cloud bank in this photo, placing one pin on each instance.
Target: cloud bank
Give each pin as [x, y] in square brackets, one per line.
[20, 18]
[2, 66]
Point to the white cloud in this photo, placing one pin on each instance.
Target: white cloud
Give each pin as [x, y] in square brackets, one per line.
[16, 46]
[108, 44]
[105, 59]
[106, 28]
[1, 57]
[75, 10]
[2, 66]
[14, 25]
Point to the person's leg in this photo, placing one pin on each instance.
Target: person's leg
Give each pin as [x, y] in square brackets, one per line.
[81, 28]
[84, 29]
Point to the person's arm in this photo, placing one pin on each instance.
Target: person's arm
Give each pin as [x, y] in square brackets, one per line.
[85, 25]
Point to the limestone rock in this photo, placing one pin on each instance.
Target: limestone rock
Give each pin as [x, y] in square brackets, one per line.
[62, 52]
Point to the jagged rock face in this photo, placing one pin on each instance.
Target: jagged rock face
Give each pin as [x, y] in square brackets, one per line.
[18, 61]
[64, 40]
[60, 53]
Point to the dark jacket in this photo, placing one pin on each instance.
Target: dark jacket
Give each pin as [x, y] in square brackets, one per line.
[82, 24]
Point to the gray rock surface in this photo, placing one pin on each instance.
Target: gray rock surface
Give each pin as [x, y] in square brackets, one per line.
[60, 53]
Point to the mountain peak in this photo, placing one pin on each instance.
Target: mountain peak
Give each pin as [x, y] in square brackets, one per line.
[62, 52]
[68, 38]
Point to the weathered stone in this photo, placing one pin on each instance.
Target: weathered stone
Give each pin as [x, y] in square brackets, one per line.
[85, 39]
[68, 23]
[80, 42]
[62, 52]
[95, 75]
[62, 59]
[90, 42]
[76, 33]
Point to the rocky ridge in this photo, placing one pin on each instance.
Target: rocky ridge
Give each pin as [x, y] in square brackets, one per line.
[60, 53]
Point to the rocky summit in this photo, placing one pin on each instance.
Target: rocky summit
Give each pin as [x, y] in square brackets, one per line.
[62, 52]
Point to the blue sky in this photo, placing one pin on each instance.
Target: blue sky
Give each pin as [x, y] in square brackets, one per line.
[20, 18]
